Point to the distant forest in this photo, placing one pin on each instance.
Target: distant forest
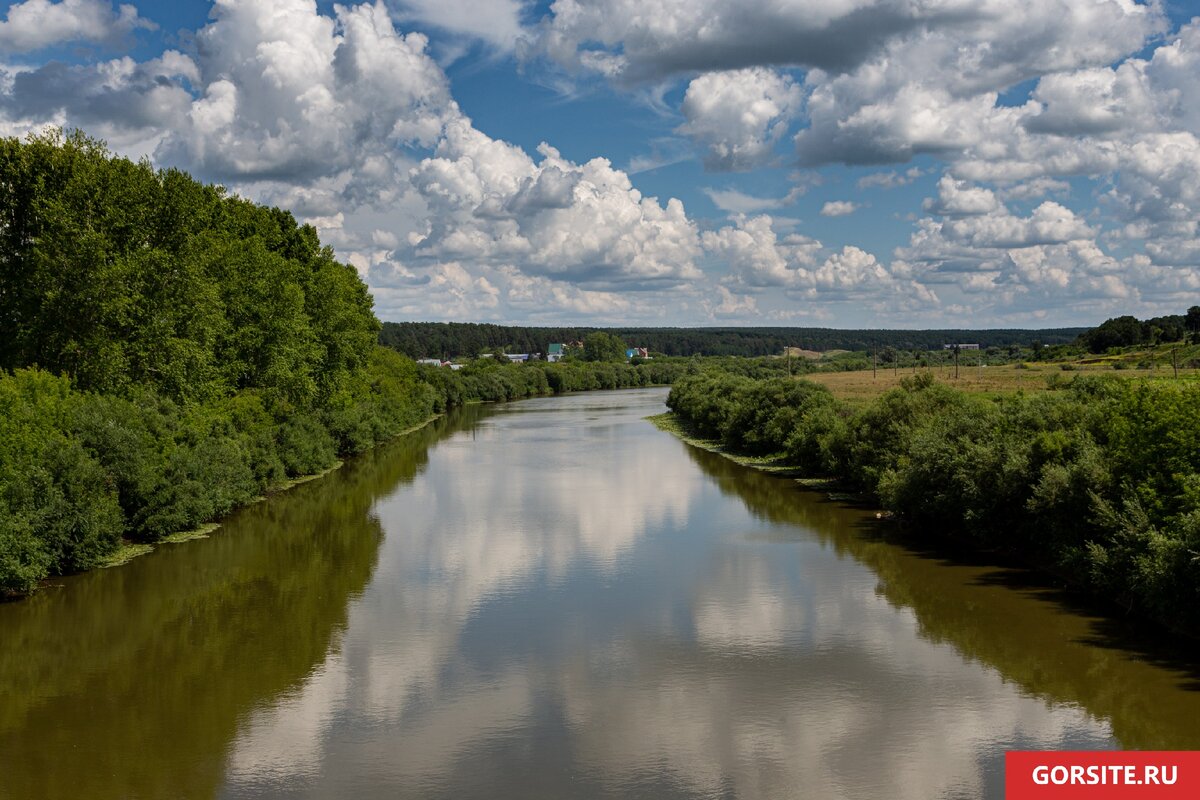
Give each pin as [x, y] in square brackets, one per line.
[457, 339]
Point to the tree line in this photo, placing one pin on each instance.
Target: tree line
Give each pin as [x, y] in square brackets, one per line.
[460, 339]
[1099, 481]
[489, 381]
[1129, 331]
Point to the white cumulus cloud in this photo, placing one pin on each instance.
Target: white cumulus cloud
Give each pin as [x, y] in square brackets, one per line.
[958, 199]
[497, 22]
[738, 116]
[757, 257]
[37, 24]
[838, 208]
[585, 222]
[346, 118]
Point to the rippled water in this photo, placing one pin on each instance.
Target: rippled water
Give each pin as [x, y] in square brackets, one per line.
[554, 599]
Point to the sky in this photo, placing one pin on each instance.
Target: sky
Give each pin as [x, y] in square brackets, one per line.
[834, 163]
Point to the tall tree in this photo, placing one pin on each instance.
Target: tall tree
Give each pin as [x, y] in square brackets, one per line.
[1191, 321]
[601, 346]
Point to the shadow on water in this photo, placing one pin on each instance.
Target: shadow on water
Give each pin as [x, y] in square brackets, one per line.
[131, 682]
[1040, 638]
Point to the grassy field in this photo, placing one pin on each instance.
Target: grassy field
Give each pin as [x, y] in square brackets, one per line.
[863, 386]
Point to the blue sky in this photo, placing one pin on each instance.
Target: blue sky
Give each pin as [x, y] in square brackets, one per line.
[884, 163]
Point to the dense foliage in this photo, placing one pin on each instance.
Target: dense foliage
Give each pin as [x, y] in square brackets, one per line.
[603, 346]
[80, 470]
[120, 276]
[1130, 331]
[458, 339]
[1100, 480]
[167, 353]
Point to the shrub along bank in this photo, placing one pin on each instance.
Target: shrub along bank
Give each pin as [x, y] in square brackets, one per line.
[81, 470]
[1099, 480]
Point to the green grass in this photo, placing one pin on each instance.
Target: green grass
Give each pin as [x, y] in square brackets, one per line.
[860, 387]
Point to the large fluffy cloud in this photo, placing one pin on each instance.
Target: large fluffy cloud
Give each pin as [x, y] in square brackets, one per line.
[276, 90]
[759, 259]
[36, 24]
[291, 92]
[990, 43]
[1050, 223]
[586, 222]
[738, 116]
[122, 100]
[1004, 264]
[938, 91]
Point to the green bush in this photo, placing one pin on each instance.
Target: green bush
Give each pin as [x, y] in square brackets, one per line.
[58, 506]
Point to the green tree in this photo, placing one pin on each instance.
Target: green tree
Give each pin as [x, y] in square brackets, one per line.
[602, 346]
[1192, 322]
[1117, 332]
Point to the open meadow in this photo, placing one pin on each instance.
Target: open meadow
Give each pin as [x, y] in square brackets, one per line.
[861, 386]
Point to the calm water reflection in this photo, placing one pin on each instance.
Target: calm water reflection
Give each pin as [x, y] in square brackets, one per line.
[554, 599]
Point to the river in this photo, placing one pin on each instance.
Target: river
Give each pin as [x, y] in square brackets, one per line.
[554, 599]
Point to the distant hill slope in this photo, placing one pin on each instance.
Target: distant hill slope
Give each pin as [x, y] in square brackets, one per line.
[451, 339]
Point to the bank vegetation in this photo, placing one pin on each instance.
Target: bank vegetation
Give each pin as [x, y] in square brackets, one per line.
[1098, 480]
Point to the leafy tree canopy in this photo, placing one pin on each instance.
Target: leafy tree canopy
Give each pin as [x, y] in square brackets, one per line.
[1128, 331]
[601, 346]
[120, 275]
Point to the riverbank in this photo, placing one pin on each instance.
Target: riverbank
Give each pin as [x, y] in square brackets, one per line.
[128, 550]
[1097, 482]
[91, 479]
[772, 464]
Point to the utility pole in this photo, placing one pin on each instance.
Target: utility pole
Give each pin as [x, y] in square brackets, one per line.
[874, 352]
[1174, 363]
[955, 362]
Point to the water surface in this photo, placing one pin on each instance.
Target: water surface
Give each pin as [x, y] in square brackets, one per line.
[554, 599]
